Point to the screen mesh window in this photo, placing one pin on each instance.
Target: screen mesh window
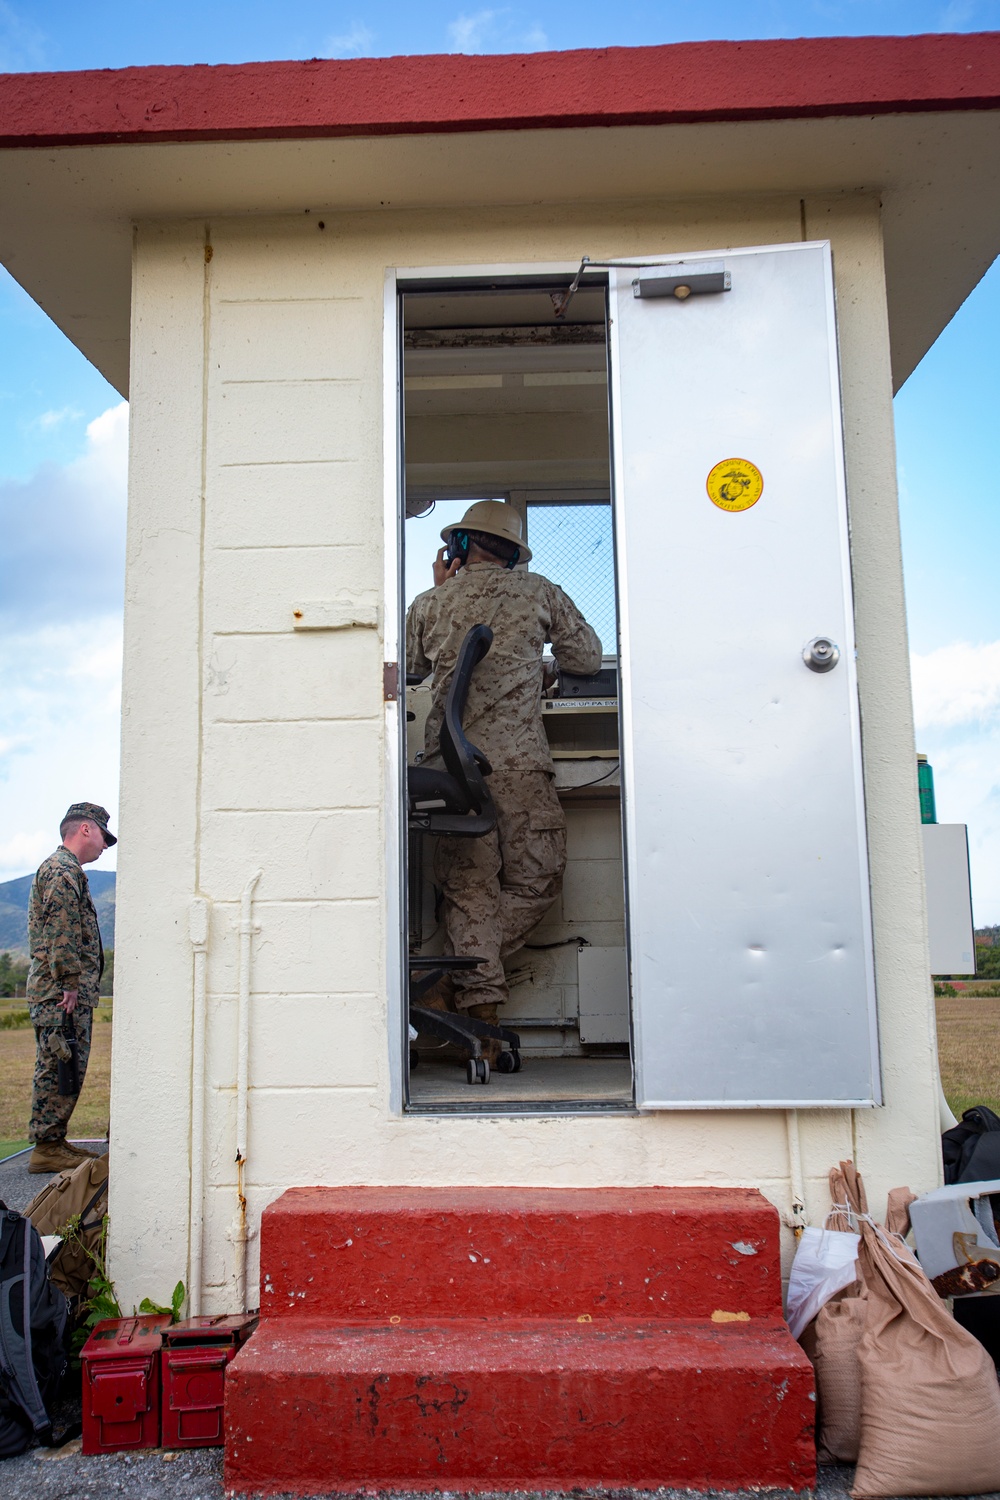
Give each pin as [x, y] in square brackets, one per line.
[572, 544]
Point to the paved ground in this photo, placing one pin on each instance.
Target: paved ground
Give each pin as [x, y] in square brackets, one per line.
[64, 1474]
[197, 1475]
[18, 1186]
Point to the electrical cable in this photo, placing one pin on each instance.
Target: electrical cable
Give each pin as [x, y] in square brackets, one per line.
[580, 785]
[562, 943]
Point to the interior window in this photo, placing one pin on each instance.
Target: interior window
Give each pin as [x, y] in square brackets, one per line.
[573, 544]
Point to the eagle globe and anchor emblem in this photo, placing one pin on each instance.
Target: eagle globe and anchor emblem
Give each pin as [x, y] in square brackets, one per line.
[734, 484]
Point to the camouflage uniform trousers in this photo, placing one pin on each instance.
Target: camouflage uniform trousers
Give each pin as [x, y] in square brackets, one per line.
[497, 888]
[50, 1110]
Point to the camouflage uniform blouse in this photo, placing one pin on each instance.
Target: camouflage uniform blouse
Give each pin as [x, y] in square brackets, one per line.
[503, 716]
[63, 935]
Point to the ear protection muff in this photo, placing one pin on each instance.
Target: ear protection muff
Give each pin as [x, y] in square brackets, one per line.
[459, 547]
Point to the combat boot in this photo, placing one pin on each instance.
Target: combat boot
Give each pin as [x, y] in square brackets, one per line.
[53, 1156]
[491, 1046]
[80, 1152]
[440, 996]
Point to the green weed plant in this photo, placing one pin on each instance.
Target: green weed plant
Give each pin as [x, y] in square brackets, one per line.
[102, 1299]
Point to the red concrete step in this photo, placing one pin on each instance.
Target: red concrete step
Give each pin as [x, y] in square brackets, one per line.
[519, 1405]
[353, 1254]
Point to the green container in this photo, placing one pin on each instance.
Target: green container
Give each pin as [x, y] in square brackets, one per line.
[925, 781]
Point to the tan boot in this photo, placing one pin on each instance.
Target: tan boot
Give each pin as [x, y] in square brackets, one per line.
[80, 1152]
[441, 997]
[53, 1156]
[491, 1046]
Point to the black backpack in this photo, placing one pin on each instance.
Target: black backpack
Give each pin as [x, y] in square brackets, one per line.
[971, 1149]
[33, 1337]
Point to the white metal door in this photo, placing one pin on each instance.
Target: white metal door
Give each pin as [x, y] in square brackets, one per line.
[748, 903]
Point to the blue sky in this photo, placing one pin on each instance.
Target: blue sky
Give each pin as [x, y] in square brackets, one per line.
[63, 430]
[115, 34]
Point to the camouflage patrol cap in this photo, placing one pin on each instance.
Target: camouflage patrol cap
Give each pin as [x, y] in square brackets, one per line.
[91, 812]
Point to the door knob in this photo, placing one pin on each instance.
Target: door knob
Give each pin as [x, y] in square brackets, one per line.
[821, 654]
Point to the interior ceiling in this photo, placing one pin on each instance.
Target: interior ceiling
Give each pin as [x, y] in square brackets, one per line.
[502, 353]
[503, 309]
[66, 229]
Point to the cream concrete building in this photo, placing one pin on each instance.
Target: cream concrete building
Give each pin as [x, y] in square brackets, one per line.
[261, 258]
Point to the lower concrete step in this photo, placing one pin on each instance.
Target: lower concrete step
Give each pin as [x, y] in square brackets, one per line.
[515, 1405]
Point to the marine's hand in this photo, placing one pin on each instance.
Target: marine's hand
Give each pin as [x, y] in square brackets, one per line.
[442, 570]
[68, 1001]
[550, 676]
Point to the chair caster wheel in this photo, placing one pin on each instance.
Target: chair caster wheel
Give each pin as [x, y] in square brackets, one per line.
[507, 1062]
[477, 1070]
[414, 1058]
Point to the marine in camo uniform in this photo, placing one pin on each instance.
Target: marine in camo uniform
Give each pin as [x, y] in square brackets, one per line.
[67, 961]
[497, 888]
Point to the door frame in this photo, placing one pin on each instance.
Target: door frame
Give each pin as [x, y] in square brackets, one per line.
[394, 659]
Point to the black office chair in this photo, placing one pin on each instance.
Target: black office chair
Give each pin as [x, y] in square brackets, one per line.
[456, 802]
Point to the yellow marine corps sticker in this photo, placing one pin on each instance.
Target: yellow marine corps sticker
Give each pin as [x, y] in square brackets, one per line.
[735, 484]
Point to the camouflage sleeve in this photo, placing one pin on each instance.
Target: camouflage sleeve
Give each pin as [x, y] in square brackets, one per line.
[416, 661]
[575, 644]
[62, 934]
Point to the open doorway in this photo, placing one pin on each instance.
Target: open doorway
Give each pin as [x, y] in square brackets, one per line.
[505, 401]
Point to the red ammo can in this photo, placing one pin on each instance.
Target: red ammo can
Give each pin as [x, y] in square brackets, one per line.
[194, 1359]
[121, 1384]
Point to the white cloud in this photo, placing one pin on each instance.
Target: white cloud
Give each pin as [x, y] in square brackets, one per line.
[62, 531]
[24, 852]
[61, 560]
[958, 684]
[956, 699]
[60, 716]
[356, 42]
[495, 31]
[51, 419]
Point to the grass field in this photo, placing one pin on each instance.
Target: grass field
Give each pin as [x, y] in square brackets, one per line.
[17, 1063]
[968, 1042]
[969, 1048]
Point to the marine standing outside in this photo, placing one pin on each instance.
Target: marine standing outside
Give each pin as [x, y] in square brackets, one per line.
[497, 888]
[67, 961]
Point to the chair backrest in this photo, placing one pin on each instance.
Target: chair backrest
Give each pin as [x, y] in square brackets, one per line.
[472, 813]
[462, 759]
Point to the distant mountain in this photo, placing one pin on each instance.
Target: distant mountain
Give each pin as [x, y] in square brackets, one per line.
[14, 910]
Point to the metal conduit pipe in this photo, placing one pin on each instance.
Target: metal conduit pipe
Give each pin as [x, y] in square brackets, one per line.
[199, 914]
[796, 1219]
[239, 1231]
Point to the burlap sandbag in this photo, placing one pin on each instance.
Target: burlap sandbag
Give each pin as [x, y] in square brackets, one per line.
[838, 1329]
[930, 1402]
[834, 1335]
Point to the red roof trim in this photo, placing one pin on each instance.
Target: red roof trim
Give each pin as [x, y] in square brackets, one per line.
[681, 84]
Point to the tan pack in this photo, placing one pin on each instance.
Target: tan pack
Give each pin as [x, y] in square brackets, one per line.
[81, 1192]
